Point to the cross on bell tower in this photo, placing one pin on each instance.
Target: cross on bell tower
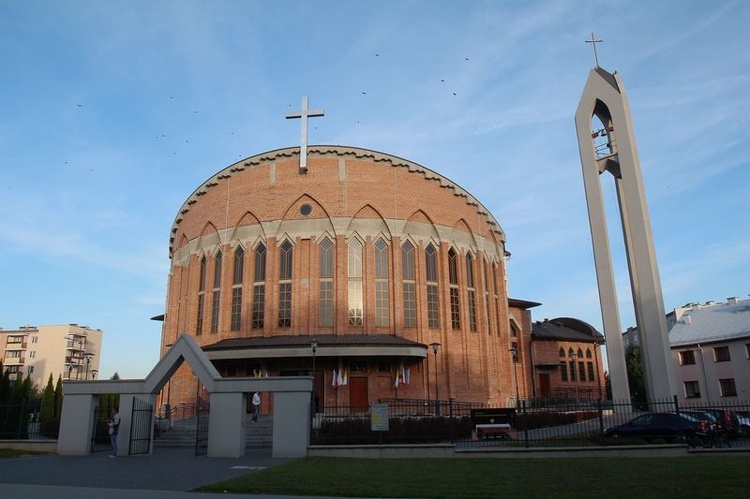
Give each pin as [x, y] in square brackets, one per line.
[304, 114]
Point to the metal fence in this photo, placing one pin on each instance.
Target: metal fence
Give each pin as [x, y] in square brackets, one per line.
[29, 421]
[564, 423]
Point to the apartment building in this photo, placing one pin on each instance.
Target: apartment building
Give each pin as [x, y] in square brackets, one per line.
[70, 351]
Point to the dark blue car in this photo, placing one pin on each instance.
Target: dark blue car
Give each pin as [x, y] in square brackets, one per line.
[666, 426]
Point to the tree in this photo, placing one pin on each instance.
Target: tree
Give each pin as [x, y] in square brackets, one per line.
[58, 396]
[636, 379]
[5, 388]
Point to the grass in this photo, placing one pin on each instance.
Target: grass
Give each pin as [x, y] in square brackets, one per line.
[8, 453]
[684, 477]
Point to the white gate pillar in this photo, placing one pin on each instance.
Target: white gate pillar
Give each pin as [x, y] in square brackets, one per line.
[226, 425]
[291, 423]
[77, 424]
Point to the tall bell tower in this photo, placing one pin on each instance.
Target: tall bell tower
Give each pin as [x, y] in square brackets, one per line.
[607, 145]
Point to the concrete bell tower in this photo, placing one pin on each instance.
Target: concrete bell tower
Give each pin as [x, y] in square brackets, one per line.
[607, 145]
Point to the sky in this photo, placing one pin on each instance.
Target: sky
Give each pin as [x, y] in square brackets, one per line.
[113, 113]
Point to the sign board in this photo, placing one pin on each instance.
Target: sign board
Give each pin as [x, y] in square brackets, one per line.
[379, 417]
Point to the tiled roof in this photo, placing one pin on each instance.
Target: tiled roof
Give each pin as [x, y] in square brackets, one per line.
[708, 323]
[322, 340]
[565, 328]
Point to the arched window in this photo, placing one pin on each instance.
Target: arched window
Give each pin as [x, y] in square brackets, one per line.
[259, 287]
[356, 295]
[433, 307]
[201, 297]
[408, 275]
[285, 284]
[382, 299]
[216, 296]
[325, 296]
[237, 278]
[453, 279]
[562, 352]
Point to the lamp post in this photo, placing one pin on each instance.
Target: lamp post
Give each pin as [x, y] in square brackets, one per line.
[435, 347]
[314, 348]
[514, 358]
[88, 356]
[575, 377]
[94, 372]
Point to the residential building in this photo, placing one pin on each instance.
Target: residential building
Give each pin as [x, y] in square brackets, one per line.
[710, 346]
[710, 350]
[69, 351]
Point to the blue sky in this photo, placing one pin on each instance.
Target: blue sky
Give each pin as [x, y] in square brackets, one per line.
[112, 113]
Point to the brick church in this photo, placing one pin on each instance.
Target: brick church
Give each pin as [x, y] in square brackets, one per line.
[378, 276]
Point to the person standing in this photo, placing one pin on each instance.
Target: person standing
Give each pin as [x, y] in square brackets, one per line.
[114, 426]
[256, 406]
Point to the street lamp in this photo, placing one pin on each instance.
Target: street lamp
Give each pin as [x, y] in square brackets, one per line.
[435, 346]
[514, 358]
[94, 372]
[88, 356]
[575, 373]
[314, 348]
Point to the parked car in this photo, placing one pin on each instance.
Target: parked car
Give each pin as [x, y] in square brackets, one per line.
[659, 425]
[728, 421]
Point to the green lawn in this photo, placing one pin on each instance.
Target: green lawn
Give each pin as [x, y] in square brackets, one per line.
[6, 453]
[638, 478]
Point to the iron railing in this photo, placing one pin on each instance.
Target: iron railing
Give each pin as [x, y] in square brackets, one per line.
[29, 420]
[566, 423]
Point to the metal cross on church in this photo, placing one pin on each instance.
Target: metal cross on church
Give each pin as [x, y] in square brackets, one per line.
[304, 114]
[593, 42]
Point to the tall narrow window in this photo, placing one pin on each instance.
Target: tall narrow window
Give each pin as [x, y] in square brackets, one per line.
[472, 292]
[216, 297]
[408, 275]
[496, 295]
[325, 297]
[433, 308]
[356, 296]
[201, 297]
[237, 277]
[486, 298]
[259, 287]
[453, 280]
[563, 371]
[285, 284]
[382, 299]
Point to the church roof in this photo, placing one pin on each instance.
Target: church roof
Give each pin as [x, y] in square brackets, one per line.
[355, 152]
[321, 339]
[710, 323]
[567, 329]
[328, 345]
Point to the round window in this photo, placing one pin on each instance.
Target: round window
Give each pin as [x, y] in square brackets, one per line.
[305, 209]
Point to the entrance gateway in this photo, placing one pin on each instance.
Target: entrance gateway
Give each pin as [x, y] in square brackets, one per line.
[227, 419]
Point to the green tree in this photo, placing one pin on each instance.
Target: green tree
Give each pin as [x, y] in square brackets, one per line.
[58, 396]
[636, 379]
[5, 388]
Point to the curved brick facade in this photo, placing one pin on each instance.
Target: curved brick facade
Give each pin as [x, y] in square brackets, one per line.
[371, 255]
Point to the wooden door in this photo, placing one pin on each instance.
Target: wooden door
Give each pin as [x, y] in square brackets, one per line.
[544, 385]
[358, 401]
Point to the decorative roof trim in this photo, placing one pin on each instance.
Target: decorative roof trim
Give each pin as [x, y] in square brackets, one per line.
[341, 151]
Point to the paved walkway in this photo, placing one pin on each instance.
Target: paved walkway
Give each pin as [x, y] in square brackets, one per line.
[168, 474]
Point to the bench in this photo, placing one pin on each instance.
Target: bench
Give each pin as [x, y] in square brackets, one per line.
[493, 423]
